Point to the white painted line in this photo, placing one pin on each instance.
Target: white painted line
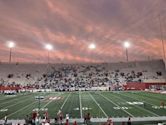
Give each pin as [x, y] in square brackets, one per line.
[16, 98]
[117, 105]
[16, 103]
[65, 101]
[140, 107]
[50, 102]
[139, 100]
[98, 105]
[80, 105]
[21, 109]
[47, 104]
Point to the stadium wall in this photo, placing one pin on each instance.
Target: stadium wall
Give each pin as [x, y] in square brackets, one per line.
[143, 86]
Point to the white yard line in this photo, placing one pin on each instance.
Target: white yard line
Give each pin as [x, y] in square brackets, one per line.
[47, 103]
[65, 101]
[116, 105]
[98, 105]
[143, 101]
[50, 101]
[16, 103]
[80, 105]
[22, 108]
[12, 99]
[140, 107]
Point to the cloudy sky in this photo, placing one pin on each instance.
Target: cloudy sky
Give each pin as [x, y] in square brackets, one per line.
[71, 25]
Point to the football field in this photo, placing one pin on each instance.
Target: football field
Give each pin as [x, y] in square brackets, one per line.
[99, 104]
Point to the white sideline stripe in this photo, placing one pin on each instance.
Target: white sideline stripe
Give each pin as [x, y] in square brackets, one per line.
[80, 105]
[98, 105]
[65, 101]
[140, 107]
[117, 105]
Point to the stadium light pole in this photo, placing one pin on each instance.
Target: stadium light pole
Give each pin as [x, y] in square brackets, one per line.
[126, 46]
[161, 35]
[48, 47]
[92, 46]
[11, 45]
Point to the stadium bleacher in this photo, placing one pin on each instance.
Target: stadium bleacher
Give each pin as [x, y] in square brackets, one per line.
[67, 76]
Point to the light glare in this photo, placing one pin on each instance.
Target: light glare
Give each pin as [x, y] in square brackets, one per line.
[11, 44]
[126, 44]
[92, 46]
[49, 47]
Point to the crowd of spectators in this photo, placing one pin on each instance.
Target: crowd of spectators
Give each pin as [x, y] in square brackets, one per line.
[66, 76]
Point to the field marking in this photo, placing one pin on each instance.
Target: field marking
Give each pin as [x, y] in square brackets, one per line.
[142, 100]
[65, 101]
[116, 105]
[18, 102]
[139, 107]
[5, 96]
[153, 99]
[155, 96]
[98, 104]
[51, 101]
[80, 105]
[21, 108]
[16, 98]
[144, 108]
[41, 101]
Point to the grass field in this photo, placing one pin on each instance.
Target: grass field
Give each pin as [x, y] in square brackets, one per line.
[76, 104]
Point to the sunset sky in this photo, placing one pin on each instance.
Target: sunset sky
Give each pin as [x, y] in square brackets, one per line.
[71, 25]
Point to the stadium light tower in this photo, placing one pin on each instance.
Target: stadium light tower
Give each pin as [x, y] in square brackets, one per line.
[48, 47]
[126, 46]
[11, 45]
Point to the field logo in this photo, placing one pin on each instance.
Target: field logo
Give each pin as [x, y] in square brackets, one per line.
[42, 109]
[55, 98]
[76, 109]
[83, 108]
[86, 108]
[158, 107]
[135, 103]
[123, 108]
[3, 110]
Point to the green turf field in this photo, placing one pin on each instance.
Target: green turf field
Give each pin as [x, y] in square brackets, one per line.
[76, 104]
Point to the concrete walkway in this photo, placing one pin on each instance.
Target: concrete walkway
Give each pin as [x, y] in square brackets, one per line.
[133, 119]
